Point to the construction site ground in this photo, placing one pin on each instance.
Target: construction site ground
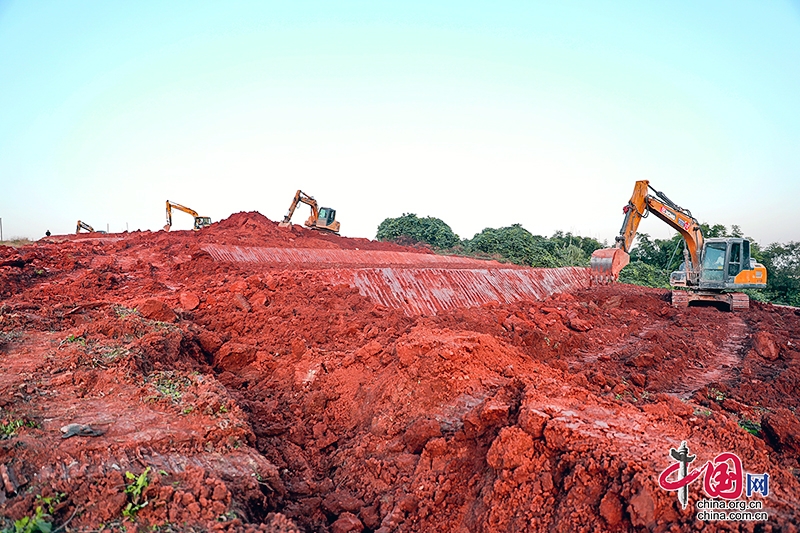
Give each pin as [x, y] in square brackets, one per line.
[280, 379]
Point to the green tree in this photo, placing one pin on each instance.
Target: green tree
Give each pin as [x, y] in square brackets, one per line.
[641, 273]
[563, 243]
[783, 272]
[663, 254]
[514, 243]
[428, 230]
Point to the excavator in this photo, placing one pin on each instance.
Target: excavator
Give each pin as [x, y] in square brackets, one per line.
[85, 227]
[199, 222]
[712, 270]
[321, 219]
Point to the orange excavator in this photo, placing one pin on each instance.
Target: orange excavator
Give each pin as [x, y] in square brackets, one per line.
[199, 222]
[712, 270]
[86, 227]
[321, 219]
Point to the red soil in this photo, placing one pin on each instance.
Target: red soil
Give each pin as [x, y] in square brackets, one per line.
[286, 396]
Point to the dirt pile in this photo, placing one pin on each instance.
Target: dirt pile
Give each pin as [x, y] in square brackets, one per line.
[281, 395]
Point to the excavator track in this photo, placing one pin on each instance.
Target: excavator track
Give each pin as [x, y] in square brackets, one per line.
[680, 299]
[739, 300]
[735, 301]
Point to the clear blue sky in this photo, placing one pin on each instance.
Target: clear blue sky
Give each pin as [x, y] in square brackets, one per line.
[482, 114]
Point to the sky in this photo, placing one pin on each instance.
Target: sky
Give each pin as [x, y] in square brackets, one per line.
[483, 114]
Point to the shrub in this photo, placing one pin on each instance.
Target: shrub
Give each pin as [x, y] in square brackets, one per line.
[428, 230]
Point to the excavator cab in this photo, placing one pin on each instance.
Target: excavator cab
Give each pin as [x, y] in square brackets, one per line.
[727, 264]
[327, 216]
[201, 222]
[325, 220]
[713, 271]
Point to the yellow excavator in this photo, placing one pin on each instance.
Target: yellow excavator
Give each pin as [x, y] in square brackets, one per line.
[199, 222]
[322, 218]
[85, 227]
[712, 268]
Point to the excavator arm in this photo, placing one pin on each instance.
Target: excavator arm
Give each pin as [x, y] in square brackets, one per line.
[83, 226]
[199, 222]
[299, 197]
[608, 262]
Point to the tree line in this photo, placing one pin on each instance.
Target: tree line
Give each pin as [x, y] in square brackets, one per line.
[652, 260]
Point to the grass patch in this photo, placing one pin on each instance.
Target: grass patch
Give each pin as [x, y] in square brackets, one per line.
[41, 520]
[9, 429]
[751, 426]
[73, 339]
[123, 311]
[716, 394]
[170, 384]
[16, 242]
[104, 356]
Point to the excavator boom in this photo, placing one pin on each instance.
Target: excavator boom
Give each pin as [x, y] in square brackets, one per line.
[608, 262]
[86, 227]
[83, 226]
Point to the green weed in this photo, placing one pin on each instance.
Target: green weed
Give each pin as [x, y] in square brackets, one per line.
[716, 394]
[107, 355]
[134, 490]
[73, 339]
[123, 311]
[750, 426]
[171, 385]
[40, 522]
[51, 501]
[9, 429]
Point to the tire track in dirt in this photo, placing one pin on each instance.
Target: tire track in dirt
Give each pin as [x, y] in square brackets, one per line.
[690, 373]
[720, 368]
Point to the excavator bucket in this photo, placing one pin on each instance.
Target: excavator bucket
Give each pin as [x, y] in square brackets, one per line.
[607, 263]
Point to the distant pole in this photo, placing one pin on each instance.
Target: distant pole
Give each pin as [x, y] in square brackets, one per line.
[126, 227]
[1, 228]
[107, 230]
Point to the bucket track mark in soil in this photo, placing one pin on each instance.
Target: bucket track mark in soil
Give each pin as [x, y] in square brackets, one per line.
[720, 367]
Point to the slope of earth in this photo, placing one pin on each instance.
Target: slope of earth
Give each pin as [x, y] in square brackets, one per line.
[209, 393]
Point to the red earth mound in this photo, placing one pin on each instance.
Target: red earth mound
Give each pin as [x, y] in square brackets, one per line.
[212, 394]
